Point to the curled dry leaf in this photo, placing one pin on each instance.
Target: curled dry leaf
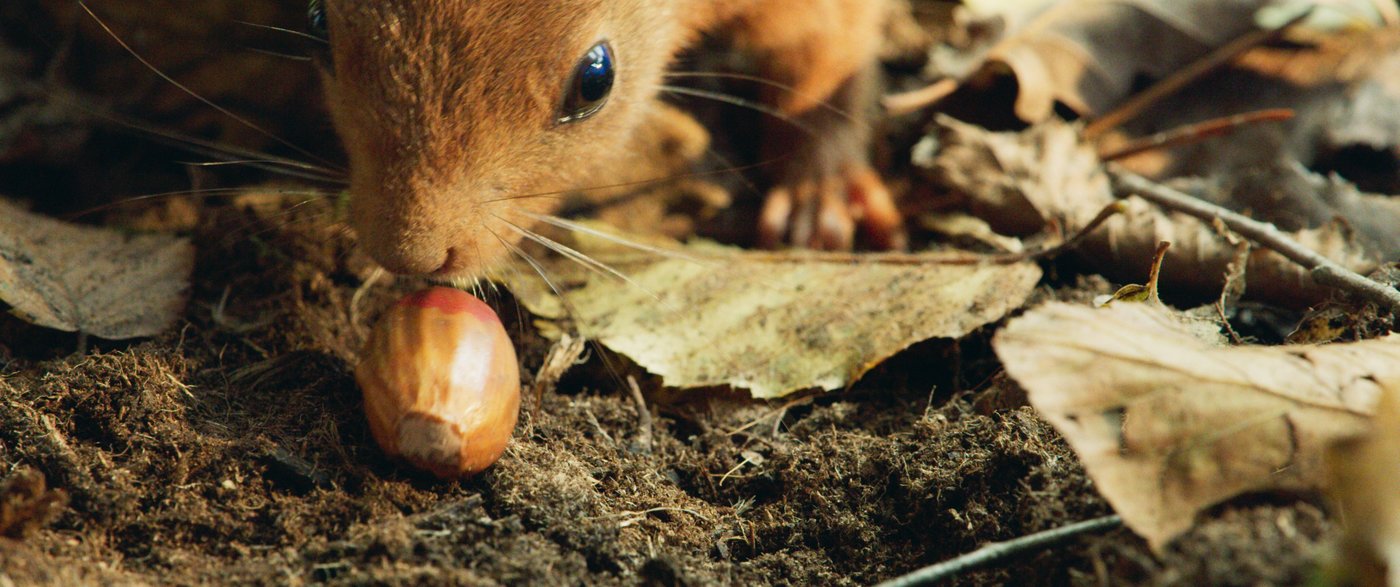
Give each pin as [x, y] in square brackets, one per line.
[1167, 424]
[1018, 182]
[1046, 175]
[93, 280]
[1087, 54]
[771, 323]
[566, 352]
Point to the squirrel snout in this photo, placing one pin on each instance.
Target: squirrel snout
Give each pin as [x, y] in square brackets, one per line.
[406, 247]
[430, 230]
[406, 257]
[441, 244]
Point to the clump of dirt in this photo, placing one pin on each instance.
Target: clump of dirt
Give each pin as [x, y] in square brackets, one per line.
[1259, 543]
[234, 450]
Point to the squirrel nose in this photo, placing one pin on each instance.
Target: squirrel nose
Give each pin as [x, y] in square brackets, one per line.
[452, 264]
[407, 259]
[411, 232]
[405, 246]
[405, 252]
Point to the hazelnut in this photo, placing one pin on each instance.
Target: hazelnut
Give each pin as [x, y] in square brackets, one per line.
[441, 384]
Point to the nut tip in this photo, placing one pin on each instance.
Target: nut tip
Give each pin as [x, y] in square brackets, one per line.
[430, 443]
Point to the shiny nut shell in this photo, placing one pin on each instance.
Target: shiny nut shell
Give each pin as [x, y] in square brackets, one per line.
[441, 384]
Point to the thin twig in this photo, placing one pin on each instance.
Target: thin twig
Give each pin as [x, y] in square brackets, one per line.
[998, 551]
[1184, 77]
[1195, 132]
[1108, 212]
[644, 435]
[915, 100]
[653, 511]
[564, 355]
[1324, 270]
[781, 409]
[358, 298]
[597, 426]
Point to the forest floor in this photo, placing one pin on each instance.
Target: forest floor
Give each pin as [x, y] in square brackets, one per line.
[233, 449]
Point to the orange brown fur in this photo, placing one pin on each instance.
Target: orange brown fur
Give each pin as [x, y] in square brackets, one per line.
[448, 108]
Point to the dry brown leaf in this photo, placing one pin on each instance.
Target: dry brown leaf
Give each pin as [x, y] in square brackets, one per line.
[1341, 320]
[1167, 424]
[1022, 182]
[771, 323]
[92, 280]
[1200, 256]
[566, 352]
[1365, 482]
[1295, 198]
[1018, 182]
[1087, 54]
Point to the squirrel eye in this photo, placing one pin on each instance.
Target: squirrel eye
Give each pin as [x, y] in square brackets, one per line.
[316, 20]
[592, 82]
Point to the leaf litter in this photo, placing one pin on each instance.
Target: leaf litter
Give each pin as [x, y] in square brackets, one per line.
[181, 466]
[1168, 424]
[1048, 177]
[96, 281]
[773, 323]
[1081, 53]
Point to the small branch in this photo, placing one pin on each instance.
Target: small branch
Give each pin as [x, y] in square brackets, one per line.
[915, 100]
[1173, 83]
[355, 300]
[999, 551]
[644, 513]
[597, 426]
[1109, 211]
[1324, 270]
[644, 435]
[565, 353]
[1196, 132]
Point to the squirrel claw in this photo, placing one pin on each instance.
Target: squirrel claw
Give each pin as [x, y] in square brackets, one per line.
[823, 214]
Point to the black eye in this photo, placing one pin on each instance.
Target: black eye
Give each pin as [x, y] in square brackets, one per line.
[316, 20]
[592, 82]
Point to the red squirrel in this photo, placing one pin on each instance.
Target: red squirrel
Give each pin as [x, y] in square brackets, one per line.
[457, 115]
